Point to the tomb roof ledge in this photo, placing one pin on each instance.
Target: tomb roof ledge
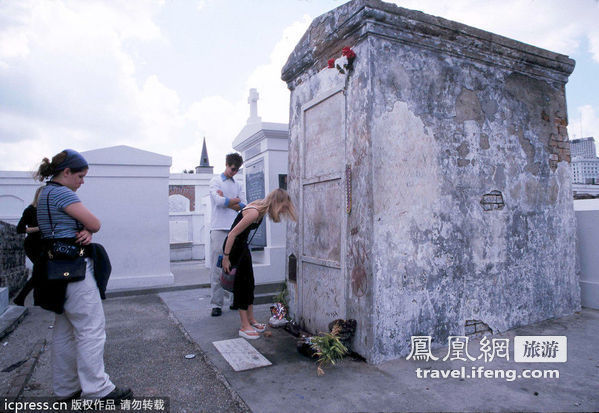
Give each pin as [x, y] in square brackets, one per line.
[349, 24]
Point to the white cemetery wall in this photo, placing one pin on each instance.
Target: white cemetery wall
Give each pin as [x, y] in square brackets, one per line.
[186, 215]
[17, 189]
[587, 237]
[127, 189]
[205, 202]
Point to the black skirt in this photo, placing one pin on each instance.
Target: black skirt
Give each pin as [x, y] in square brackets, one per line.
[243, 289]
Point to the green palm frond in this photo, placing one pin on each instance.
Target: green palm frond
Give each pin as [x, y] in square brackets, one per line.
[329, 349]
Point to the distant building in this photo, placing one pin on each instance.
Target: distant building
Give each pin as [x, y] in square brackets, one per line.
[585, 164]
[585, 171]
[584, 147]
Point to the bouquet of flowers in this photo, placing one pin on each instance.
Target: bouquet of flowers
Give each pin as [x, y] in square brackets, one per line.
[345, 63]
[278, 315]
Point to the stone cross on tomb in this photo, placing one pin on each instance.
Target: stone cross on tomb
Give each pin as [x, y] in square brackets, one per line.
[253, 101]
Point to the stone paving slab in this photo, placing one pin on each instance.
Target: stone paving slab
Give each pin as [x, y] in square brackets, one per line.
[240, 354]
[292, 385]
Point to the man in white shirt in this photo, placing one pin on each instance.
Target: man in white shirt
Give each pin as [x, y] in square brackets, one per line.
[227, 197]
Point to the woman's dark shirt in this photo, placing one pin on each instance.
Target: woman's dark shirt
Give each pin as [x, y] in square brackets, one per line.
[29, 219]
[240, 243]
[33, 241]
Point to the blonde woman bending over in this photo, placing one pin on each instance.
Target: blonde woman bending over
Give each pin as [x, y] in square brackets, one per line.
[236, 253]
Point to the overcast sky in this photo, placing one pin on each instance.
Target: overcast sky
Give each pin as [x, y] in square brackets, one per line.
[161, 75]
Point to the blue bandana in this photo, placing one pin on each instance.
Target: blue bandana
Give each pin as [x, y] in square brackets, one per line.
[74, 160]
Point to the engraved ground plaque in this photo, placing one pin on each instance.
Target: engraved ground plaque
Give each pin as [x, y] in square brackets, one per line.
[240, 354]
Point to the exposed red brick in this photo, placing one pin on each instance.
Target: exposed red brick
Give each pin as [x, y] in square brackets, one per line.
[188, 191]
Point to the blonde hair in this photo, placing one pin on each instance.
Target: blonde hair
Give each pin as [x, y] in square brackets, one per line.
[277, 204]
[36, 197]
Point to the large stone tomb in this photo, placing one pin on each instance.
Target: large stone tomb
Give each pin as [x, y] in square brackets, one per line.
[432, 180]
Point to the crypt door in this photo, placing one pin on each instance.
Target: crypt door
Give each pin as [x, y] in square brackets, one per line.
[323, 223]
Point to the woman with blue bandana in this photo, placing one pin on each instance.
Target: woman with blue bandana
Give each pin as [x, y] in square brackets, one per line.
[79, 329]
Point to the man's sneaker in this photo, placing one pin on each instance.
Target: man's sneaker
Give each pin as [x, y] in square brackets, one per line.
[119, 393]
[216, 312]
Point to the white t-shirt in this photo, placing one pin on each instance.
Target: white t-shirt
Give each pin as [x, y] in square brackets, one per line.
[222, 217]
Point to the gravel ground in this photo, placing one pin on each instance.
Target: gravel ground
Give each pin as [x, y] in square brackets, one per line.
[145, 350]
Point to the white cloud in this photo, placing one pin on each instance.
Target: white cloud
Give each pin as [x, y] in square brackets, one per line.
[70, 75]
[159, 110]
[585, 123]
[201, 4]
[273, 105]
[550, 24]
[594, 44]
[66, 77]
[13, 41]
[13, 44]
[71, 81]
[220, 120]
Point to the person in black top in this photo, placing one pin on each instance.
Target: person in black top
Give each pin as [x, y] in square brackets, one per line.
[277, 204]
[28, 225]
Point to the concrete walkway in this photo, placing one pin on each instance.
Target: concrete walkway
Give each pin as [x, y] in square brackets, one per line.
[292, 385]
[149, 335]
[186, 274]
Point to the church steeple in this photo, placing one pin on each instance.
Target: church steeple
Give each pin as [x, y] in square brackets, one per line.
[204, 159]
[204, 167]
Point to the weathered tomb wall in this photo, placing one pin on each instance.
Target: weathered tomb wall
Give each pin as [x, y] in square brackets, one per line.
[480, 224]
[13, 273]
